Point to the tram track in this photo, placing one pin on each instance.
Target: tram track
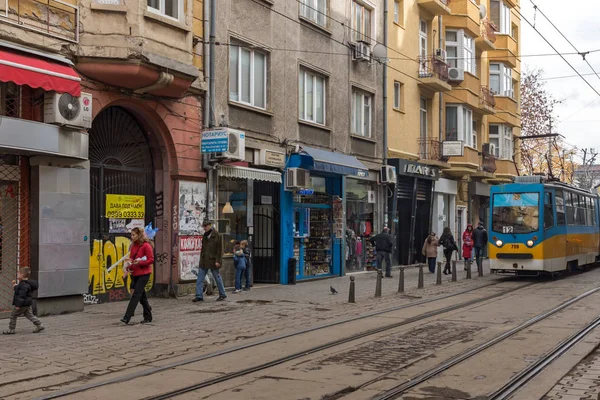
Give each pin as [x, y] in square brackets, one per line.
[316, 349]
[521, 379]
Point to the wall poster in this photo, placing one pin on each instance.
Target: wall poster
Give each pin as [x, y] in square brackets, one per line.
[192, 212]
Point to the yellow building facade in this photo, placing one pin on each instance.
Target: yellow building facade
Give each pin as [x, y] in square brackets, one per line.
[453, 108]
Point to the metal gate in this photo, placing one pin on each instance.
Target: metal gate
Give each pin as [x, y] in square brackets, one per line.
[265, 246]
[121, 163]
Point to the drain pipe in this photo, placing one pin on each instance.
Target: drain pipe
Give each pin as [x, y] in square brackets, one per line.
[212, 178]
[441, 95]
[385, 113]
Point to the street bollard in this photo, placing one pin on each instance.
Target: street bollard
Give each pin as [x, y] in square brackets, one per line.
[420, 277]
[351, 297]
[378, 284]
[453, 270]
[438, 279]
[469, 263]
[401, 280]
[480, 268]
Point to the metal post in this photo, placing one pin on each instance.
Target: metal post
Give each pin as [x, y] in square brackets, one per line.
[438, 280]
[378, 284]
[401, 280]
[420, 276]
[351, 297]
[453, 270]
[469, 263]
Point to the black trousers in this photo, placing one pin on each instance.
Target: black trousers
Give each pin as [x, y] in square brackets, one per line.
[384, 256]
[448, 255]
[138, 285]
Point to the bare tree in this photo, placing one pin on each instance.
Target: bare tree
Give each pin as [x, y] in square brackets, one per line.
[587, 175]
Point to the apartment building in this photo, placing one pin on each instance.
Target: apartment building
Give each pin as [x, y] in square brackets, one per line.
[454, 80]
[101, 105]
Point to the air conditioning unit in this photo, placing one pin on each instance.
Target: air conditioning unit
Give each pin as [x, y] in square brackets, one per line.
[494, 150]
[440, 54]
[297, 178]
[361, 51]
[67, 110]
[456, 74]
[236, 149]
[388, 174]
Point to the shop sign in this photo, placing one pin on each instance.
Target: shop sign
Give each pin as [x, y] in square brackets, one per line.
[306, 192]
[453, 148]
[362, 173]
[125, 206]
[216, 141]
[416, 169]
[272, 158]
[266, 200]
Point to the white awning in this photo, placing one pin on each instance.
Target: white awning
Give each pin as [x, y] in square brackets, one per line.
[234, 171]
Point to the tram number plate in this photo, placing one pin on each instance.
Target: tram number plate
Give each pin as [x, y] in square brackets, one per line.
[514, 246]
[507, 229]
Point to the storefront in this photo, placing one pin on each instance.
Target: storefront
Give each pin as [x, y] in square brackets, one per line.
[479, 205]
[445, 211]
[361, 218]
[411, 208]
[313, 227]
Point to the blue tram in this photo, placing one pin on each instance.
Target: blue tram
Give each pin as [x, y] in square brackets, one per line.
[539, 226]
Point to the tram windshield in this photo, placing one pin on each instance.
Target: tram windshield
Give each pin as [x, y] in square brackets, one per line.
[515, 212]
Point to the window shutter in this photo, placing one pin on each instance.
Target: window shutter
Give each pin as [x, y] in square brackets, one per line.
[461, 49]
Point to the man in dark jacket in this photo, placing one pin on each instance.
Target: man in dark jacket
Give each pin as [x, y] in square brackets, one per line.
[384, 245]
[211, 258]
[23, 300]
[480, 239]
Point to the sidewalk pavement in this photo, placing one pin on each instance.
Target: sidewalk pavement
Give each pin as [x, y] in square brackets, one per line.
[82, 346]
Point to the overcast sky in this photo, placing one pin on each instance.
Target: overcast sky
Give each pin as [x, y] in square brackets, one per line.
[578, 120]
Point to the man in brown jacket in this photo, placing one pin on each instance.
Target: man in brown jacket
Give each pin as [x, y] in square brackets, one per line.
[211, 258]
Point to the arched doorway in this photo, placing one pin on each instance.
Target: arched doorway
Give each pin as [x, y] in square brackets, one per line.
[121, 163]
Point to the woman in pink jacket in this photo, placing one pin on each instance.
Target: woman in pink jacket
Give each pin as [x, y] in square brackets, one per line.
[141, 259]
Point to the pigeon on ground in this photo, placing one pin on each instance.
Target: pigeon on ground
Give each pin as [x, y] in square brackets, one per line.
[333, 291]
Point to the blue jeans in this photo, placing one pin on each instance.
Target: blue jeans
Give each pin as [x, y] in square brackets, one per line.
[478, 255]
[247, 276]
[238, 277]
[200, 282]
[431, 263]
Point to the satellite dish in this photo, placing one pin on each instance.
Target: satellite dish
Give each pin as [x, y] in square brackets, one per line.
[482, 11]
[380, 53]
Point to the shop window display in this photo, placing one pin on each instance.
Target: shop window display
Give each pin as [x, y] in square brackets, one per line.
[360, 216]
[232, 221]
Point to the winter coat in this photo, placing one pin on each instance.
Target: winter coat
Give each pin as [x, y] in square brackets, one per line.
[383, 242]
[23, 296]
[448, 242]
[239, 260]
[467, 239]
[141, 268]
[480, 237]
[430, 249]
[212, 250]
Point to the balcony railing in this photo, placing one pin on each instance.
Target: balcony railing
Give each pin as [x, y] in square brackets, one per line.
[488, 161]
[487, 30]
[54, 18]
[430, 149]
[486, 97]
[432, 67]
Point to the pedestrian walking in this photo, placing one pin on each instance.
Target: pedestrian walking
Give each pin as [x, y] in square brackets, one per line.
[211, 258]
[430, 250]
[22, 301]
[141, 259]
[384, 245]
[467, 247]
[248, 270]
[480, 240]
[239, 263]
[447, 240]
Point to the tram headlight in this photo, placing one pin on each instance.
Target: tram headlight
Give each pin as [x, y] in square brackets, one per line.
[529, 243]
[499, 243]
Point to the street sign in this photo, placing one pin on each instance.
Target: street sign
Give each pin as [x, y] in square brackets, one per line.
[215, 141]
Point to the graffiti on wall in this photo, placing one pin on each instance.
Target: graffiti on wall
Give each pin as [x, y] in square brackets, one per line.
[106, 286]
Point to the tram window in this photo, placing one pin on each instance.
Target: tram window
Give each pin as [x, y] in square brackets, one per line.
[548, 211]
[560, 208]
[580, 216]
[570, 208]
[590, 213]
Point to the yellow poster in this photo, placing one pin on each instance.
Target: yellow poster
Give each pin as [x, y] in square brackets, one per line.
[125, 206]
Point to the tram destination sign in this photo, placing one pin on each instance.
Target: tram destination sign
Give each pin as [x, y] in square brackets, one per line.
[215, 141]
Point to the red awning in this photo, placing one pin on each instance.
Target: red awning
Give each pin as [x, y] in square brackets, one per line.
[24, 69]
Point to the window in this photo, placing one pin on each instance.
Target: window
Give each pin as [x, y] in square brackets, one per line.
[500, 16]
[548, 211]
[459, 124]
[311, 97]
[399, 12]
[502, 140]
[315, 11]
[397, 94]
[580, 213]
[247, 76]
[423, 117]
[515, 212]
[561, 218]
[362, 113]
[362, 22]
[423, 38]
[170, 8]
[501, 82]
[460, 51]
[475, 123]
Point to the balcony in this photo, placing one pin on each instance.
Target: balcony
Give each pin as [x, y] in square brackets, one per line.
[465, 15]
[435, 7]
[433, 74]
[510, 112]
[507, 50]
[505, 171]
[467, 164]
[487, 35]
[430, 152]
[55, 18]
[488, 162]
[487, 100]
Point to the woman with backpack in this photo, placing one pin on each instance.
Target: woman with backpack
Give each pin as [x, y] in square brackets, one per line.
[447, 240]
